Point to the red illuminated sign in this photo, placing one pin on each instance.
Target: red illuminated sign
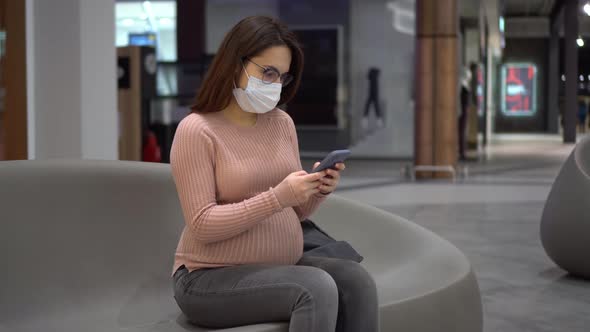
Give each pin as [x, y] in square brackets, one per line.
[519, 89]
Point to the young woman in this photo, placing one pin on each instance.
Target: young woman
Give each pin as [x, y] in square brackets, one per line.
[235, 162]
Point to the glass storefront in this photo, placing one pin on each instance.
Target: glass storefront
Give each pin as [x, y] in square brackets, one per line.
[150, 23]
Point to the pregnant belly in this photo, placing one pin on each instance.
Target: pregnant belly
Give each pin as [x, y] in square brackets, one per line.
[276, 240]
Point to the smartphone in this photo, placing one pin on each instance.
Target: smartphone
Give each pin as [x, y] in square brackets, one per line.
[332, 159]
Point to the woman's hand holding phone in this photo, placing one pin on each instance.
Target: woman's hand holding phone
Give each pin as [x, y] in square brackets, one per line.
[330, 181]
[302, 185]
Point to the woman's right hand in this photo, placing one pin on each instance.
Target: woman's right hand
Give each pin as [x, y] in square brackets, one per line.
[302, 186]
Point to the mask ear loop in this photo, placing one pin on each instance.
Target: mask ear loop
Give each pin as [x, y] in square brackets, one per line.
[245, 71]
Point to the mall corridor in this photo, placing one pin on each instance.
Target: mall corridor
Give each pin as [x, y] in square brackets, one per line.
[493, 216]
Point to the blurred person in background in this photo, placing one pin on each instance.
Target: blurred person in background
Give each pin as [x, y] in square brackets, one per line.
[582, 115]
[465, 99]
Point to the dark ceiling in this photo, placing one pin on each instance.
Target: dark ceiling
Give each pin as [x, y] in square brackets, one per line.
[526, 8]
[509, 8]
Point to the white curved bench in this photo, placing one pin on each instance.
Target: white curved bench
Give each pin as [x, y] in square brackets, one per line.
[88, 246]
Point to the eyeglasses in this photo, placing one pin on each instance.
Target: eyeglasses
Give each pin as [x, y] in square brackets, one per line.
[271, 75]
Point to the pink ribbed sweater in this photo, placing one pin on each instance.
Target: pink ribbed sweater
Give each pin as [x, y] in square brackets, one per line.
[227, 177]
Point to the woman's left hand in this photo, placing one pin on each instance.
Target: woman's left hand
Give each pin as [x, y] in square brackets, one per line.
[331, 180]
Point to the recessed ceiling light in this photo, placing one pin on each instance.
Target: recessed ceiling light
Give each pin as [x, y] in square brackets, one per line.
[587, 8]
[128, 22]
[580, 41]
[165, 21]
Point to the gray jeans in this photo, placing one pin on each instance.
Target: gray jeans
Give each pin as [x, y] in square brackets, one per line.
[316, 295]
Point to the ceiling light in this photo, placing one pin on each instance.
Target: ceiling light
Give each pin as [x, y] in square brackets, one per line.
[580, 41]
[147, 5]
[563, 77]
[128, 22]
[582, 78]
[587, 8]
[165, 21]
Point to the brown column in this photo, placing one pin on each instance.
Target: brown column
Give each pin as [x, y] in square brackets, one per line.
[436, 85]
[190, 29]
[14, 121]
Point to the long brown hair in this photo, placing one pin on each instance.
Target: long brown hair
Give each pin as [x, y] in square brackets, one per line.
[248, 38]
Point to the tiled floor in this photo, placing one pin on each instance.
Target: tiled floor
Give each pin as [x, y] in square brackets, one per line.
[493, 216]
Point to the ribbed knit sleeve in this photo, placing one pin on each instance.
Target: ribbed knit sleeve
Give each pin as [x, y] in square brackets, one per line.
[306, 209]
[192, 159]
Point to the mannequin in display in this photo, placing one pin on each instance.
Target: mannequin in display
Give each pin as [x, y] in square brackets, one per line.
[373, 99]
